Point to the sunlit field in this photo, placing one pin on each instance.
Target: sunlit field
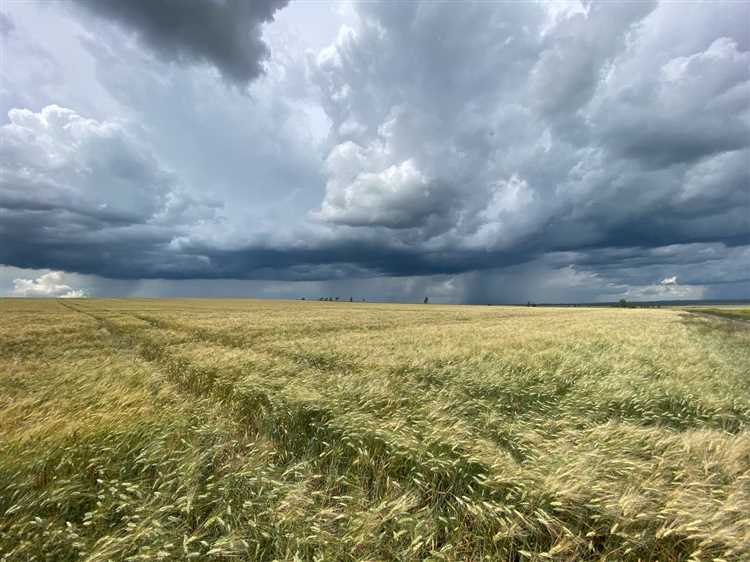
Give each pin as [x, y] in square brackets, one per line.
[261, 430]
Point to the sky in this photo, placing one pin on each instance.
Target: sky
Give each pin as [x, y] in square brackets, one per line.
[490, 152]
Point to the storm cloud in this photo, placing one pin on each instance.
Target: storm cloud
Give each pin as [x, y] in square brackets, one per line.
[224, 33]
[482, 152]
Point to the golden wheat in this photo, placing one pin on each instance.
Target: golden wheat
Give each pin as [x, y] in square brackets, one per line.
[262, 430]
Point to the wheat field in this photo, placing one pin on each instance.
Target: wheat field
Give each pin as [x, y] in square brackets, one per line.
[270, 430]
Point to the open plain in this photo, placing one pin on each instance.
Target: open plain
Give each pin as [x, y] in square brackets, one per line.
[270, 430]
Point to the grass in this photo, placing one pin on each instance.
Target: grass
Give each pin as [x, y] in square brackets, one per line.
[261, 430]
[731, 312]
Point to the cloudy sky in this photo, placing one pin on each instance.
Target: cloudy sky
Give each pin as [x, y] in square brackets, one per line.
[489, 152]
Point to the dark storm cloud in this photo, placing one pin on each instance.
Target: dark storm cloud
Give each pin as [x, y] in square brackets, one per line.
[75, 192]
[6, 24]
[59, 239]
[224, 33]
[584, 135]
[521, 149]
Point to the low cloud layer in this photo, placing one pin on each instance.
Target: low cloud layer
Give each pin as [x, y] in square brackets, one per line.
[494, 152]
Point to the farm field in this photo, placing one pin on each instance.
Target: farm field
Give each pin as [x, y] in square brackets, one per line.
[270, 430]
[731, 312]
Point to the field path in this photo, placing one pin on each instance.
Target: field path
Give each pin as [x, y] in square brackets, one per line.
[741, 322]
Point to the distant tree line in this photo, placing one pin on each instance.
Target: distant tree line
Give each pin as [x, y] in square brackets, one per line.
[351, 299]
[622, 303]
[334, 299]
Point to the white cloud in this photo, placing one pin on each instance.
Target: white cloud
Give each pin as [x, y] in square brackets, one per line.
[669, 280]
[49, 285]
[398, 195]
[664, 292]
[58, 158]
